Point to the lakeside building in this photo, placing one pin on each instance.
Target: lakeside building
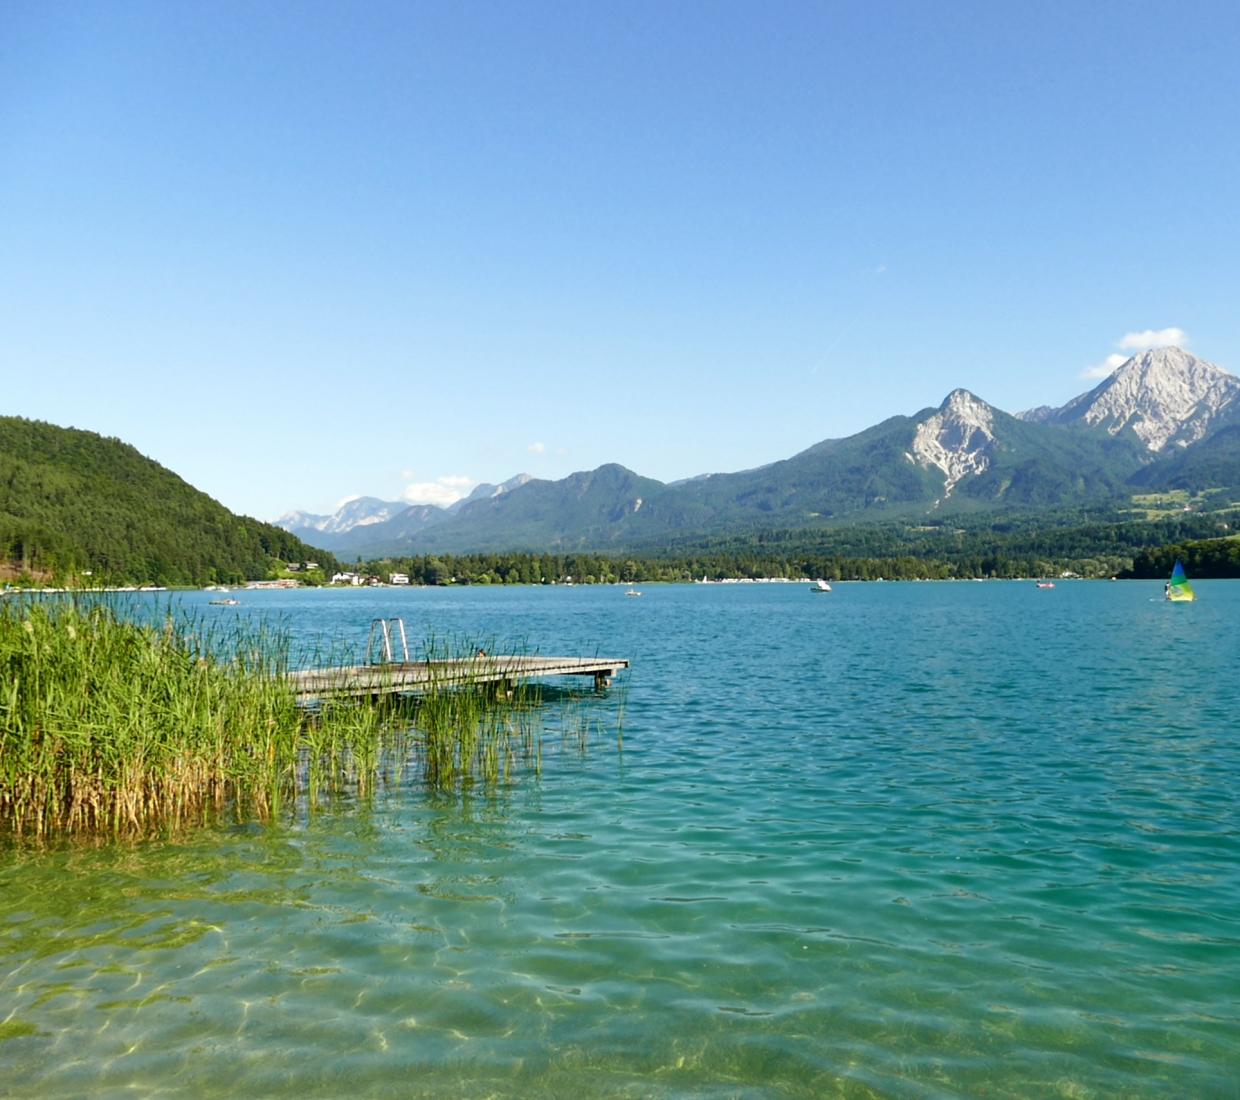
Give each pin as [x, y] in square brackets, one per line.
[287, 582]
[347, 578]
[398, 578]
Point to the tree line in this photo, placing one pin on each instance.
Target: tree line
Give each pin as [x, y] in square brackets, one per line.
[1203, 558]
[1005, 547]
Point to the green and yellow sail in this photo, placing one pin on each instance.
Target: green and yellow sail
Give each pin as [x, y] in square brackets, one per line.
[1178, 587]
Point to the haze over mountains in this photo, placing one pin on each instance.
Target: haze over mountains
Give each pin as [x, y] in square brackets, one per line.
[347, 527]
[1164, 419]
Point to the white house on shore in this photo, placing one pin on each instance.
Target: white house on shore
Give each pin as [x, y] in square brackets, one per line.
[346, 578]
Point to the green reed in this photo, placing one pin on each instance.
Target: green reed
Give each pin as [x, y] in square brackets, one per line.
[110, 723]
[118, 721]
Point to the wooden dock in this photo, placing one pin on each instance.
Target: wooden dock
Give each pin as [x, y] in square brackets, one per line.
[416, 677]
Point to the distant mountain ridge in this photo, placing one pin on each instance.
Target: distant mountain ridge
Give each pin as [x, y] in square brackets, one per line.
[1163, 419]
[359, 512]
[348, 527]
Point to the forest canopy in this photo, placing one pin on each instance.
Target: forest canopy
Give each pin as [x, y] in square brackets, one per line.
[73, 501]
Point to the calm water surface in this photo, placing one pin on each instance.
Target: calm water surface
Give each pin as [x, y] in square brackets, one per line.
[904, 840]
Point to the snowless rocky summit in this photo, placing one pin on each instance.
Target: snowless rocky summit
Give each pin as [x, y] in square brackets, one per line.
[1166, 395]
[358, 512]
[956, 439]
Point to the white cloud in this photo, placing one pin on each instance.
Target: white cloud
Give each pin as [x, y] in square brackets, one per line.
[1153, 338]
[341, 503]
[537, 448]
[1106, 368]
[442, 491]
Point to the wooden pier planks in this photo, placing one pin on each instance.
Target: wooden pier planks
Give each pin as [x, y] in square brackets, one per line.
[413, 677]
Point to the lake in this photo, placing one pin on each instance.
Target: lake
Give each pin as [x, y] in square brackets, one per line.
[901, 840]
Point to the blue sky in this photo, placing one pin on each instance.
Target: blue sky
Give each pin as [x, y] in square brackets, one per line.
[302, 251]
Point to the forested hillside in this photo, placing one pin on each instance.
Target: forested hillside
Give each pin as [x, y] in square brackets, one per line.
[72, 501]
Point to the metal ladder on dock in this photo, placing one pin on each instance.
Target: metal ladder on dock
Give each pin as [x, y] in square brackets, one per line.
[387, 629]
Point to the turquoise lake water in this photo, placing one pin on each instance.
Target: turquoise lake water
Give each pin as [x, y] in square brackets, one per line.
[902, 840]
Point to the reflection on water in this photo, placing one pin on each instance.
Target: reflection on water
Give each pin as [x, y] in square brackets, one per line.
[919, 841]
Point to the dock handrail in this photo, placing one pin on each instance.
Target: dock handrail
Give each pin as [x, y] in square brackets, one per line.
[385, 640]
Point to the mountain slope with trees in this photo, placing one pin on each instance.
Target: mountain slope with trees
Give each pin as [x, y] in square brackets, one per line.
[72, 501]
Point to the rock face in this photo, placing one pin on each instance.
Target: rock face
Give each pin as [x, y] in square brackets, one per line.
[359, 512]
[1166, 396]
[486, 491]
[957, 439]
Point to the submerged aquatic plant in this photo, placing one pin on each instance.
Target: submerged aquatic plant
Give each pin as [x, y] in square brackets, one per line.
[116, 720]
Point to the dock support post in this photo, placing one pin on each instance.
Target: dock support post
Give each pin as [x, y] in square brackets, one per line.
[602, 680]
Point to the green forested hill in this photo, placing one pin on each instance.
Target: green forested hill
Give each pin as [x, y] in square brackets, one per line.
[72, 500]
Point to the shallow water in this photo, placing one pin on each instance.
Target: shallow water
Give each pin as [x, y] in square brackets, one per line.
[904, 840]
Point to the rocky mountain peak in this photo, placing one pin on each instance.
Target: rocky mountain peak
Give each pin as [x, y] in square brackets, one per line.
[1166, 395]
[957, 439]
[358, 512]
[486, 491]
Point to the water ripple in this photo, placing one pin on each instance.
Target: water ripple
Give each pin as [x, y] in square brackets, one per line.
[921, 840]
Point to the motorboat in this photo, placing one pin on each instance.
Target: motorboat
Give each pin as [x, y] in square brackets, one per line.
[820, 586]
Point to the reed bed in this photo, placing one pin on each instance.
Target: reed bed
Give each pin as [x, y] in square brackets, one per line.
[119, 721]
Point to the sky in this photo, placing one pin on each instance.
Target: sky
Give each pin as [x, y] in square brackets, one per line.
[300, 252]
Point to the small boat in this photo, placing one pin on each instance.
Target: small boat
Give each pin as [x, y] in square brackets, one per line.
[1177, 588]
[632, 592]
[820, 586]
[224, 603]
[1046, 584]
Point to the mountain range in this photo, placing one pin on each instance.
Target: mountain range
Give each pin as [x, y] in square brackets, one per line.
[353, 524]
[1163, 420]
